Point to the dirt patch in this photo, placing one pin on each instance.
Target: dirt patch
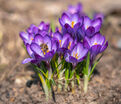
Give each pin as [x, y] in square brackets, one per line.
[104, 87]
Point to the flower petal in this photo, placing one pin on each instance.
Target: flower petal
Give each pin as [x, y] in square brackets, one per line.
[36, 49]
[27, 60]
[90, 31]
[96, 23]
[87, 22]
[30, 52]
[38, 39]
[104, 46]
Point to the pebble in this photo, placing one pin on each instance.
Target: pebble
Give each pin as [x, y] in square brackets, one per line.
[119, 43]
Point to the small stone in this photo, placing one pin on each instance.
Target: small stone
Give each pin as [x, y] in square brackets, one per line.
[119, 43]
[18, 81]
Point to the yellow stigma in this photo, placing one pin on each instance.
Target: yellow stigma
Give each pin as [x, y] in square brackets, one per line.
[60, 42]
[43, 51]
[87, 26]
[69, 46]
[95, 43]
[47, 51]
[31, 38]
[59, 29]
[75, 55]
[72, 24]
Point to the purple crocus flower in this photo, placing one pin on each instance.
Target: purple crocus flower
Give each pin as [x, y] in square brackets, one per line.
[74, 9]
[43, 48]
[90, 27]
[26, 37]
[78, 54]
[96, 44]
[70, 23]
[33, 30]
[65, 42]
[99, 15]
[44, 26]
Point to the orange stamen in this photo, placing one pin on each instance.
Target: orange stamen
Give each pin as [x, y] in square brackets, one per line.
[69, 46]
[95, 43]
[72, 24]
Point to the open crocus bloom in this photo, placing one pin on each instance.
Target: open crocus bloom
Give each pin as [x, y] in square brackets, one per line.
[43, 48]
[69, 21]
[90, 27]
[78, 54]
[96, 44]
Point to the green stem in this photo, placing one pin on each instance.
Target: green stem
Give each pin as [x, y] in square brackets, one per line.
[85, 83]
[72, 84]
[59, 86]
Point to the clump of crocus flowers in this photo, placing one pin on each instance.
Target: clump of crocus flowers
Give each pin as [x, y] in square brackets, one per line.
[62, 56]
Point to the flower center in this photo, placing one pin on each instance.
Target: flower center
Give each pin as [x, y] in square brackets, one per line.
[75, 55]
[87, 26]
[72, 24]
[44, 48]
[60, 42]
[69, 46]
[32, 38]
[95, 43]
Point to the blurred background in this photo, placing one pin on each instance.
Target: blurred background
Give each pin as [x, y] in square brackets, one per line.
[18, 15]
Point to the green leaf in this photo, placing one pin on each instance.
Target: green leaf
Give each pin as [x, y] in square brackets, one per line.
[94, 66]
[72, 73]
[78, 78]
[67, 74]
[87, 64]
[44, 84]
[52, 27]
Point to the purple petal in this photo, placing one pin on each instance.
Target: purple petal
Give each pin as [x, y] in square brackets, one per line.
[99, 15]
[47, 40]
[75, 18]
[27, 60]
[44, 26]
[24, 36]
[35, 30]
[65, 40]
[81, 51]
[97, 39]
[90, 31]
[95, 49]
[66, 56]
[36, 49]
[104, 47]
[72, 59]
[74, 51]
[30, 52]
[38, 57]
[87, 42]
[65, 19]
[57, 35]
[96, 23]
[48, 55]
[38, 39]
[55, 46]
[87, 22]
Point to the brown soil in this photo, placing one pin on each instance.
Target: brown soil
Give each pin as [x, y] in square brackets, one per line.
[17, 15]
